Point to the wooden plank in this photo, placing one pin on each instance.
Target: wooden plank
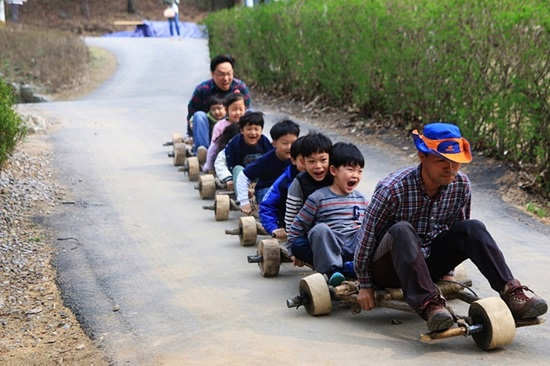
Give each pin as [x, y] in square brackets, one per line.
[128, 22]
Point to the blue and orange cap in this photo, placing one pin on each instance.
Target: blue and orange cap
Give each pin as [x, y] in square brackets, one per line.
[443, 139]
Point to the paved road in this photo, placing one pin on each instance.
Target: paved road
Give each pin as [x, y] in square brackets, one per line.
[183, 289]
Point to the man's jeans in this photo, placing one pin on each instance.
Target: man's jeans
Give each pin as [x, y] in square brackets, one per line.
[201, 131]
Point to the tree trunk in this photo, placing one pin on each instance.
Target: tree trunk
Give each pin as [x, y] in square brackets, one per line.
[86, 8]
[131, 9]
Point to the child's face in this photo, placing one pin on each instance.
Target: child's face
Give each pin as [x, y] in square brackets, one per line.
[217, 111]
[251, 134]
[299, 162]
[346, 178]
[282, 146]
[317, 165]
[235, 111]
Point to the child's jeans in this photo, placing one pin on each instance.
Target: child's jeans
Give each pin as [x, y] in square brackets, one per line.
[300, 249]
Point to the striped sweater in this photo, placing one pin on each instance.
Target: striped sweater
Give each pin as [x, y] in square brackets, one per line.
[343, 214]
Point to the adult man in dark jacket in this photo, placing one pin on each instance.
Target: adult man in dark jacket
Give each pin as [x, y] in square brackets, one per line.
[222, 83]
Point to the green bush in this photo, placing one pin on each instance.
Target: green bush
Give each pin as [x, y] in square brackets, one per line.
[12, 129]
[483, 65]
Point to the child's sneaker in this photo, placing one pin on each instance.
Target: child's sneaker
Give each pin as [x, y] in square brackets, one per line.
[348, 270]
[201, 154]
[336, 279]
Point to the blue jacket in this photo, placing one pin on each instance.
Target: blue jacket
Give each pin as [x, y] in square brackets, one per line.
[272, 207]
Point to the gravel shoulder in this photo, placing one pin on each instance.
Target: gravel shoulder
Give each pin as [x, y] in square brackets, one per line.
[35, 327]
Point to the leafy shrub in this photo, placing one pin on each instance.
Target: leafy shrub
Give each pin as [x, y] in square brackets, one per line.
[12, 129]
[482, 65]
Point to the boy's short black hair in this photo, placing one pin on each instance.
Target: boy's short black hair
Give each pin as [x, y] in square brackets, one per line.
[284, 127]
[216, 99]
[220, 59]
[296, 148]
[252, 118]
[346, 154]
[316, 143]
[232, 98]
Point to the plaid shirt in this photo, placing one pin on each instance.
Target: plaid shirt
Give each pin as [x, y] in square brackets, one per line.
[199, 99]
[401, 197]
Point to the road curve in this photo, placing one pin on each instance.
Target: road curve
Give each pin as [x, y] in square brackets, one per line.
[156, 281]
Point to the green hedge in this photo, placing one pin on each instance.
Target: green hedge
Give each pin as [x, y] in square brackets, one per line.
[12, 129]
[484, 65]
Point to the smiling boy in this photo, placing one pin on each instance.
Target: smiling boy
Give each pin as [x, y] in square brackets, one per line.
[267, 168]
[244, 148]
[332, 215]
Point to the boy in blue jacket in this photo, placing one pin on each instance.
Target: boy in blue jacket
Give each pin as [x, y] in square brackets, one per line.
[273, 205]
[267, 168]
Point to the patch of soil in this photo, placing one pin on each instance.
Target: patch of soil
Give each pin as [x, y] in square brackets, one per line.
[99, 16]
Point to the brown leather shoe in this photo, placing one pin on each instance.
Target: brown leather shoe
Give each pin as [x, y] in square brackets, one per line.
[435, 314]
[522, 306]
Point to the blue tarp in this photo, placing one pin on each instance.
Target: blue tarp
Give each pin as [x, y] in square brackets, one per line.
[162, 29]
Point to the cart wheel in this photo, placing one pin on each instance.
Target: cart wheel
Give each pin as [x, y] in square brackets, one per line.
[207, 187]
[179, 153]
[499, 327]
[193, 168]
[270, 252]
[247, 231]
[315, 288]
[221, 207]
[177, 137]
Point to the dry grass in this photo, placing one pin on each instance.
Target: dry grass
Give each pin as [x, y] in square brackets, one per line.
[50, 59]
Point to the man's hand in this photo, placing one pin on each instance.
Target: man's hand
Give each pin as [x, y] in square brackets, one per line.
[279, 234]
[297, 262]
[246, 209]
[365, 298]
[229, 185]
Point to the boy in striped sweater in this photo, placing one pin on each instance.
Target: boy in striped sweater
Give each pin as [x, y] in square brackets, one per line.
[332, 215]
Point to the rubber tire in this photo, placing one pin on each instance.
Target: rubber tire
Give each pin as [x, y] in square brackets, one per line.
[248, 231]
[221, 207]
[497, 320]
[271, 257]
[193, 168]
[316, 289]
[207, 187]
[179, 153]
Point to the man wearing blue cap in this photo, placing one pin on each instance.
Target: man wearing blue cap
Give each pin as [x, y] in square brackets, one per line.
[417, 229]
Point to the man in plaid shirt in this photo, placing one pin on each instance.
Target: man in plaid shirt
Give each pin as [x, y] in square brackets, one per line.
[417, 229]
[222, 83]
